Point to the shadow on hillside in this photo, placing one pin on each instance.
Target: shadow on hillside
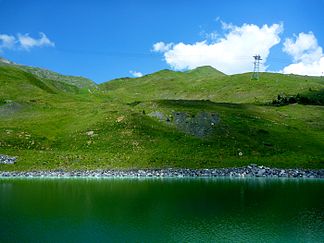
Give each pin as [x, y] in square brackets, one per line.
[199, 104]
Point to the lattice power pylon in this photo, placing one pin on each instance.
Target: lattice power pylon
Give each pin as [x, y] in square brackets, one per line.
[256, 69]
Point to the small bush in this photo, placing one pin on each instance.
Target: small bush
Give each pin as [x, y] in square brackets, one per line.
[311, 98]
[2, 101]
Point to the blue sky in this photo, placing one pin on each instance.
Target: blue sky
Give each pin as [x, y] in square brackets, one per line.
[103, 40]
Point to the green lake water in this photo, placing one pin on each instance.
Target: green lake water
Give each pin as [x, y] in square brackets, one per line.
[161, 210]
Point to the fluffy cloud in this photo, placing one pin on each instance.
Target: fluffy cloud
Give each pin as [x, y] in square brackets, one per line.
[311, 69]
[7, 41]
[27, 42]
[307, 55]
[230, 54]
[162, 47]
[23, 42]
[136, 74]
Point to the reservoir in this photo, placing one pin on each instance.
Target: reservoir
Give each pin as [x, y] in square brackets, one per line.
[161, 210]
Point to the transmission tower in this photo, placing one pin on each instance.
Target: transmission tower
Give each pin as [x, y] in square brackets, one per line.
[256, 69]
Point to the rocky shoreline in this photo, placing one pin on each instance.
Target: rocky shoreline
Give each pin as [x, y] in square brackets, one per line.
[247, 171]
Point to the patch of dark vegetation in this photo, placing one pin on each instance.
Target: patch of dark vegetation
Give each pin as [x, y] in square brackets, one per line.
[185, 103]
[135, 103]
[267, 144]
[310, 98]
[263, 132]
[2, 101]
[197, 104]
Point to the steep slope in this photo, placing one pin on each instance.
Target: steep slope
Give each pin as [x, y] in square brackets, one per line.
[79, 82]
[19, 85]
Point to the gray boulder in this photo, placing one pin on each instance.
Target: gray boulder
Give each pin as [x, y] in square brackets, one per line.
[7, 160]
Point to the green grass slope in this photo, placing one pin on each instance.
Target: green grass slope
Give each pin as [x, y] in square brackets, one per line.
[205, 71]
[196, 119]
[19, 85]
[217, 87]
[79, 82]
[41, 73]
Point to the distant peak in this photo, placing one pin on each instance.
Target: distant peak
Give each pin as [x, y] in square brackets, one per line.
[205, 70]
[207, 67]
[165, 71]
[5, 61]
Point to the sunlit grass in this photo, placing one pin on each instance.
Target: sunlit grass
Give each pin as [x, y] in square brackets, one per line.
[56, 126]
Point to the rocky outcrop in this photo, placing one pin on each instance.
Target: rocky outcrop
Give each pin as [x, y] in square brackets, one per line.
[199, 125]
[10, 108]
[7, 160]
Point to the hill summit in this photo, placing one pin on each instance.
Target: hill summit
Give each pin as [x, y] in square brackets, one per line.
[205, 71]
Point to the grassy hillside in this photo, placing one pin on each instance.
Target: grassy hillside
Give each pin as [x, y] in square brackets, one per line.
[197, 119]
[80, 82]
[216, 87]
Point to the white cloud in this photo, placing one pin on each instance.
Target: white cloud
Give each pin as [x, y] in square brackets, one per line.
[162, 47]
[7, 41]
[230, 54]
[27, 42]
[209, 36]
[136, 74]
[23, 41]
[311, 69]
[304, 46]
[307, 55]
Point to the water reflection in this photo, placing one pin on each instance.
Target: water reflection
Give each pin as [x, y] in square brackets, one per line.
[167, 209]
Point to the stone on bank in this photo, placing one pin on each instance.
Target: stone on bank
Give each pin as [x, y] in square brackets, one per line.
[7, 160]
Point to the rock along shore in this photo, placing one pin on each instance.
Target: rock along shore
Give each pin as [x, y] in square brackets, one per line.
[7, 160]
[247, 171]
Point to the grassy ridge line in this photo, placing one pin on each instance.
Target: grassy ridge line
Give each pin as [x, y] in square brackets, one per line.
[219, 88]
[41, 73]
[79, 82]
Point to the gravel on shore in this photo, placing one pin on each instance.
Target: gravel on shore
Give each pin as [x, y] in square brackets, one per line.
[247, 171]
